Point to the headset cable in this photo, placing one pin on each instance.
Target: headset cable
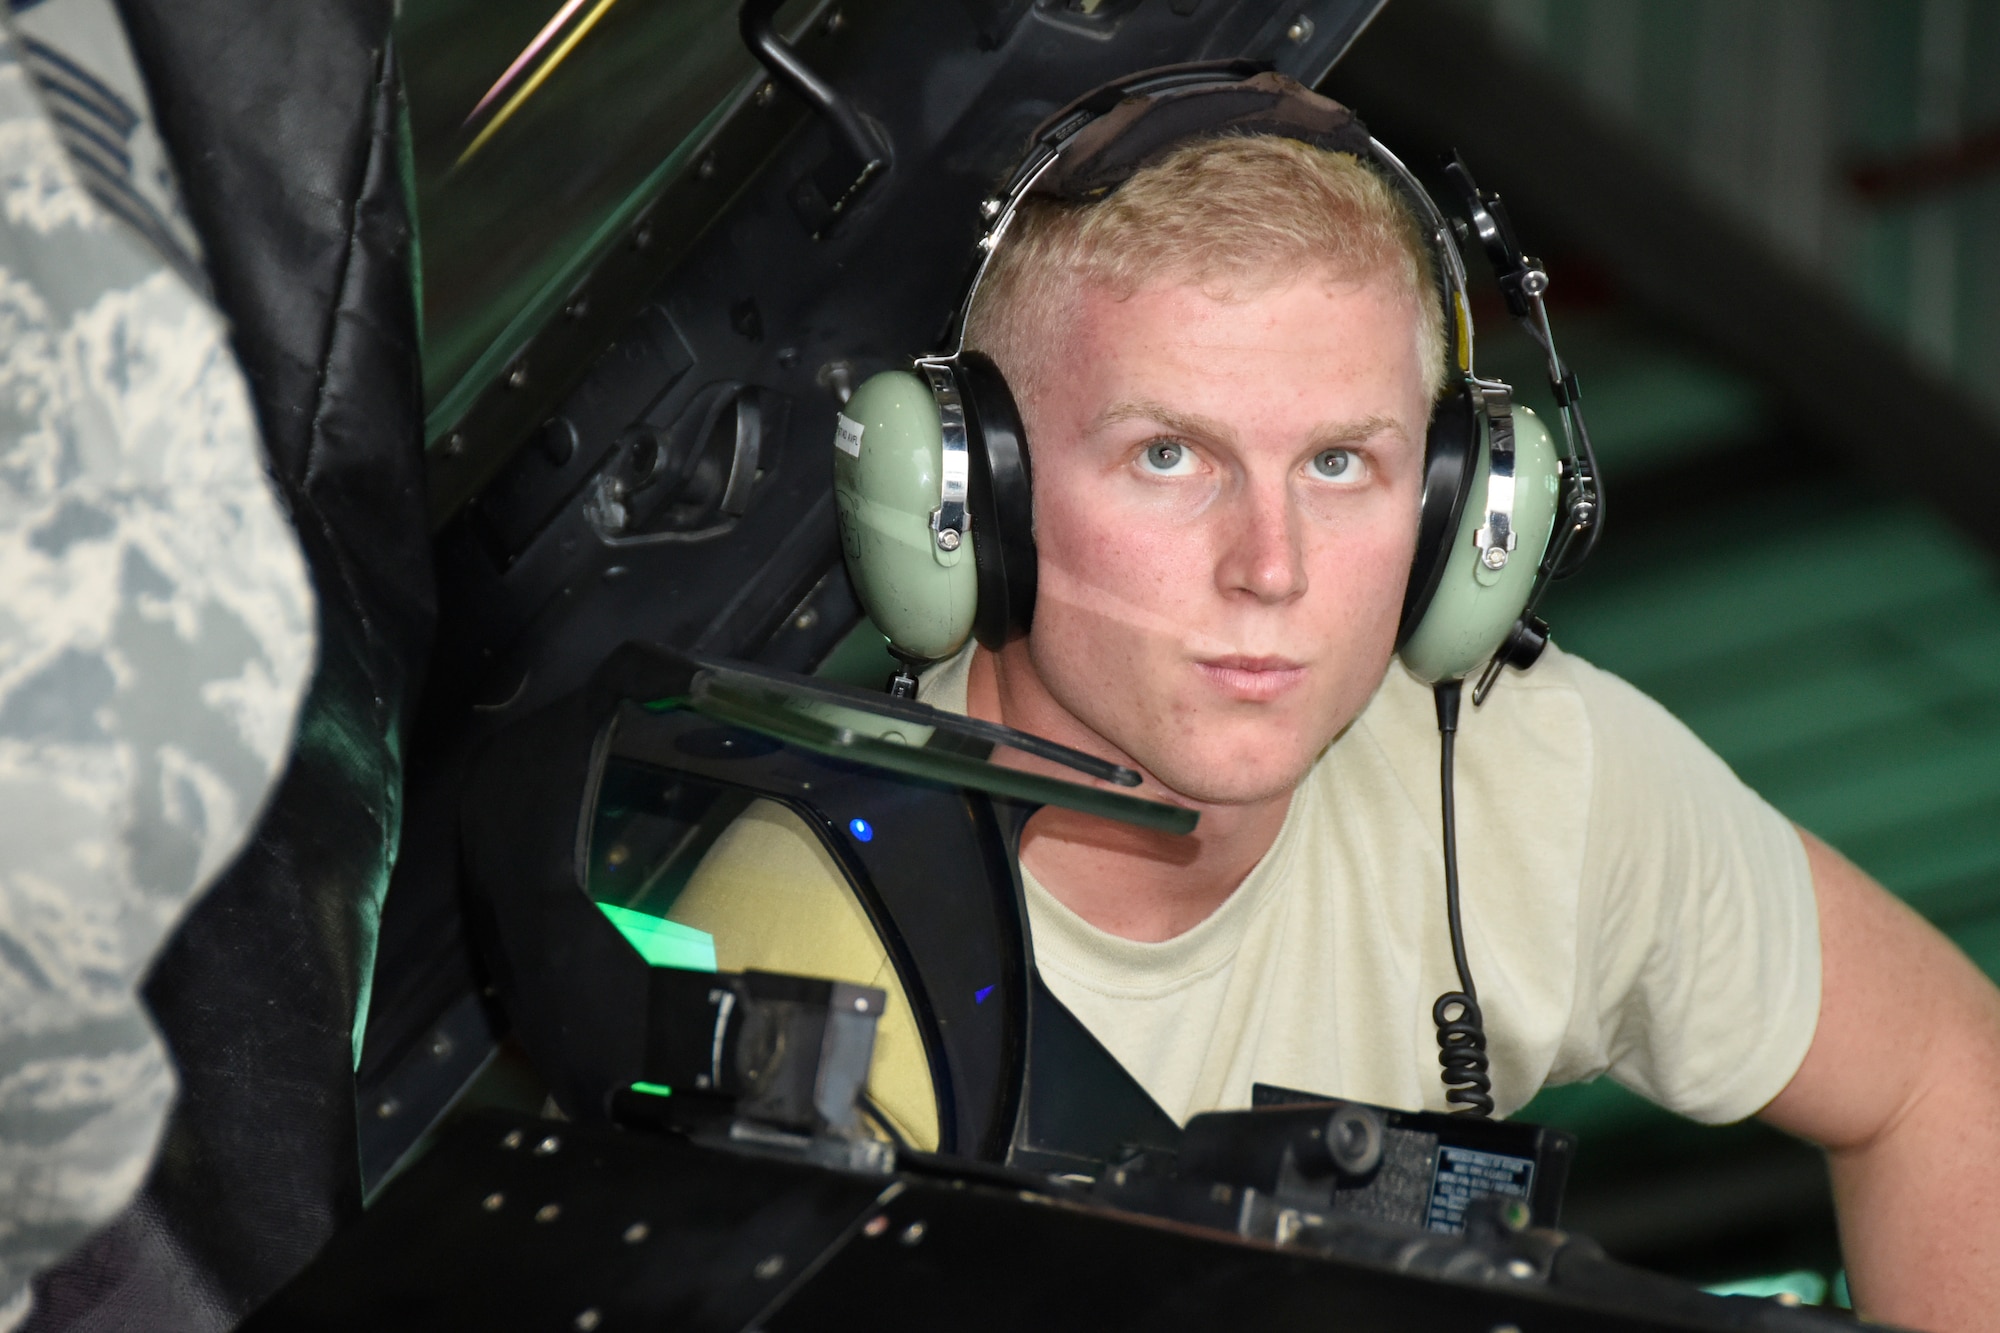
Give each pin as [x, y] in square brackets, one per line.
[1461, 1036]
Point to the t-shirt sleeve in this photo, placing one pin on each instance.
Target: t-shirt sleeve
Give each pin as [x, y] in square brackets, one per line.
[1699, 962]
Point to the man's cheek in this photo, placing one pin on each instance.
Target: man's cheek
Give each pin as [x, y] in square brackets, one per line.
[1141, 599]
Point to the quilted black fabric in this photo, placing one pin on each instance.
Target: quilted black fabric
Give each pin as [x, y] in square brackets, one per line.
[281, 122]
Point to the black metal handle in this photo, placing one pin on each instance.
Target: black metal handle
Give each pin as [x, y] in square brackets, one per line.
[851, 130]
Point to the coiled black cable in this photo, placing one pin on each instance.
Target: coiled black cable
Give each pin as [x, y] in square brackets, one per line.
[1461, 1037]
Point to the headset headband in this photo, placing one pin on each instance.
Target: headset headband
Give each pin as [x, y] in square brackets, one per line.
[1087, 150]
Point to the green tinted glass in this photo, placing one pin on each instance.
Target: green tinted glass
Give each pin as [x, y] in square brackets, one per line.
[919, 742]
[538, 129]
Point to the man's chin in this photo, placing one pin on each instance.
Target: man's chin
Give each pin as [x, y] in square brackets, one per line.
[1227, 779]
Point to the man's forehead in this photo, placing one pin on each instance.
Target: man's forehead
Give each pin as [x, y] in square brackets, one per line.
[1153, 351]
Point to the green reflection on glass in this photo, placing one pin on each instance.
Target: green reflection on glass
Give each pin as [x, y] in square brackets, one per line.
[508, 231]
[653, 1089]
[663, 943]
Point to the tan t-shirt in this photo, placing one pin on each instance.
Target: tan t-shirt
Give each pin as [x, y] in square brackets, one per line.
[1630, 908]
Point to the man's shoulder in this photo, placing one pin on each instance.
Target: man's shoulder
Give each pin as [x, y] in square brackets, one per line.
[1547, 711]
[1563, 699]
[1551, 752]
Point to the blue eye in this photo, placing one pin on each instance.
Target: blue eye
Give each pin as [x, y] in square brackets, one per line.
[1336, 465]
[1167, 458]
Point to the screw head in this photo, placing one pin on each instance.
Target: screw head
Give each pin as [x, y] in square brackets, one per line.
[948, 539]
[637, 1232]
[1301, 30]
[769, 1267]
[1494, 557]
[548, 1212]
[767, 94]
[547, 1146]
[589, 1319]
[513, 1139]
[387, 1108]
[492, 1202]
[913, 1234]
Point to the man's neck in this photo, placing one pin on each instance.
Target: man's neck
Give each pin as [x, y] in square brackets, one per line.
[1127, 881]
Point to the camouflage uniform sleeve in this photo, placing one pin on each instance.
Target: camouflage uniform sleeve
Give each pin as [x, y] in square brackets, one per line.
[156, 625]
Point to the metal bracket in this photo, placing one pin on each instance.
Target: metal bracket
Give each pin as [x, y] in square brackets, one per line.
[1496, 537]
[854, 136]
[948, 524]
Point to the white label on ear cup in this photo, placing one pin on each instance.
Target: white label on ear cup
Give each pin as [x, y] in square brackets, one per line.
[847, 435]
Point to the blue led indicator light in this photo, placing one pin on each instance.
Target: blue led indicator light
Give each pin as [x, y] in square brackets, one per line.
[862, 830]
[979, 996]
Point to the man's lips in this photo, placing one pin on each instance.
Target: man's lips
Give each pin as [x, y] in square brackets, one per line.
[1252, 679]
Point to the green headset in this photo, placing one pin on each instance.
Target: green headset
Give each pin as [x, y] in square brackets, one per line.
[932, 471]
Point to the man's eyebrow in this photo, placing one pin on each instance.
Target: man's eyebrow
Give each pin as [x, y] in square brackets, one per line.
[1196, 426]
[1173, 421]
[1354, 432]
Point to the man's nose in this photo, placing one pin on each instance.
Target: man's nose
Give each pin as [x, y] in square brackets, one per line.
[1260, 546]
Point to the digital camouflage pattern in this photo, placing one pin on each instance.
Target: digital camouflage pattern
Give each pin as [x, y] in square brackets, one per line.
[156, 623]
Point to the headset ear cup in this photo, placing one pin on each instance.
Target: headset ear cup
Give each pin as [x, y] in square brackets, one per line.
[1000, 497]
[1476, 605]
[1451, 457]
[887, 468]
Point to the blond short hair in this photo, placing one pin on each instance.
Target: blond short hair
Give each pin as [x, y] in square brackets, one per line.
[1235, 215]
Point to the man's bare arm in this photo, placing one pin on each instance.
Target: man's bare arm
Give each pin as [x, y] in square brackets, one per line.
[1902, 1087]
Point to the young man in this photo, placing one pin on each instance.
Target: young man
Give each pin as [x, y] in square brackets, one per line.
[1226, 368]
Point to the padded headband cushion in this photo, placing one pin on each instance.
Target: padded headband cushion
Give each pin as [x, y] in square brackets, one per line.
[1106, 152]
